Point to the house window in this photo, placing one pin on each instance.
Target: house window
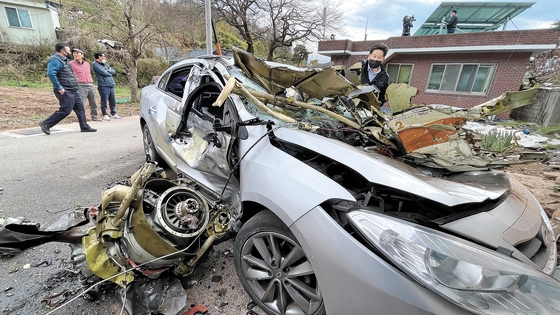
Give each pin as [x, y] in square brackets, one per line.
[463, 78]
[399, 73]
[18, 17]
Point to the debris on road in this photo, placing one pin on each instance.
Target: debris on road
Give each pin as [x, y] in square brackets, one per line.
[197, 309]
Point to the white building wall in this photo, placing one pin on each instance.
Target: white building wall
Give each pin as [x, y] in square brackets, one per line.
[43, 21]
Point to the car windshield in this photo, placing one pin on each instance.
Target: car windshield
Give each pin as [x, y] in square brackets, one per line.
[300, 114]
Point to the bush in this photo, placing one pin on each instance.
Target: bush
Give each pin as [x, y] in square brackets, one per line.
[148, 68]
[24, 62]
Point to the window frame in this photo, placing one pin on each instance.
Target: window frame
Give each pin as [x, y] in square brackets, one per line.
[169, 76]
[398, 72]
[18, 17]
[493, 67]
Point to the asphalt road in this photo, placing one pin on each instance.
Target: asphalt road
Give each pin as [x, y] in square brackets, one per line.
[43, 176]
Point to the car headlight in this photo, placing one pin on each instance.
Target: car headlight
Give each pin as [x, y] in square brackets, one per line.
[469, 275]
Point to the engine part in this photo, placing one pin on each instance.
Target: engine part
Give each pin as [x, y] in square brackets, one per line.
[182, 212]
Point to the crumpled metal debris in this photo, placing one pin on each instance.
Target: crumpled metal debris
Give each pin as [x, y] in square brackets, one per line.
[164, 295]
[428, 135]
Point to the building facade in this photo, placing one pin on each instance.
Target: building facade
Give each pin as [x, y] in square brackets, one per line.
[459, 70]
[23, 22]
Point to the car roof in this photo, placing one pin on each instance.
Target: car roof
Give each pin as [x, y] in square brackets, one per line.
[225, 60]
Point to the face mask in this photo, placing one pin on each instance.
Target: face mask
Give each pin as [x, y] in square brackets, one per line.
[374, 63]
[104, 61]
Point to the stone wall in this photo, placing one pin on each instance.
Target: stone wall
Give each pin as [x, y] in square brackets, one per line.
[546, 112]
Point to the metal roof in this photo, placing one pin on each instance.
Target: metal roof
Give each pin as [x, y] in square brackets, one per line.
[473, 16]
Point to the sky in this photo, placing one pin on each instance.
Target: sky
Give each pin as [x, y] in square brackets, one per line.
[384, 17]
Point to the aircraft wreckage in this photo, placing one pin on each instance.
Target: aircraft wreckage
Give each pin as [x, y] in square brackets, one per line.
[428, 135]
[153, 225]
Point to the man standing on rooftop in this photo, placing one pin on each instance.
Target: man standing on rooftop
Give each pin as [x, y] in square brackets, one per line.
[452, 23]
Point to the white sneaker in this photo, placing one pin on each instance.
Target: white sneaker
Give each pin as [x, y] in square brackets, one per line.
[116, 116]
[106, 117]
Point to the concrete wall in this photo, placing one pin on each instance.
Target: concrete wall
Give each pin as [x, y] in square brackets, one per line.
[546, 112]
[42, 20]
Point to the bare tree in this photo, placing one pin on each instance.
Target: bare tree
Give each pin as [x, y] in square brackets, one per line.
[333, 18]
[240, 14]
[280, 23]
[134, 23]
[291, 21]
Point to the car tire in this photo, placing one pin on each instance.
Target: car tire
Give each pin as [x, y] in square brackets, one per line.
[150, 148]
[279, 283]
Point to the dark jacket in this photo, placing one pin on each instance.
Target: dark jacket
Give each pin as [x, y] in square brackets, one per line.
[60, 73]
[452, 22]
[104, 74]
[381, 80]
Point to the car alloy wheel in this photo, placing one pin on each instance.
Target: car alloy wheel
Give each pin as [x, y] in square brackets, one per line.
[149, 146]
[274, 269]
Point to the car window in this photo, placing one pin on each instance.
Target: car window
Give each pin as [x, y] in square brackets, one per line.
[163, 81]
[175, 82]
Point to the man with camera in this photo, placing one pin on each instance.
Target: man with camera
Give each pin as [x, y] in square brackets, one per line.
[407, 24]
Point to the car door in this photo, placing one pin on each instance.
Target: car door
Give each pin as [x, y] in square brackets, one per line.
[165, 110]
[205, 141]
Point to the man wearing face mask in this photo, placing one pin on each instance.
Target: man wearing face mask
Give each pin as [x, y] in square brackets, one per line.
[105, 85]
[65, 87]
[373, 73]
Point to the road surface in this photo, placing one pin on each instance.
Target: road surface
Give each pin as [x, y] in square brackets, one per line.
[42, 176]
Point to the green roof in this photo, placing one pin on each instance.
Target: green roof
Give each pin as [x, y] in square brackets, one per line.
[473, 16]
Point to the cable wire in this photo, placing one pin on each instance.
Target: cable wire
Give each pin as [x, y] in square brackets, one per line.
[249, 150]
[121, 273]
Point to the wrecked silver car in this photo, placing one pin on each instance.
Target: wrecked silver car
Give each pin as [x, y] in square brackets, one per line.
[301, 166]
[288, 151]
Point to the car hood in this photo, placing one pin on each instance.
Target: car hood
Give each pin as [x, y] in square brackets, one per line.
[462, 188]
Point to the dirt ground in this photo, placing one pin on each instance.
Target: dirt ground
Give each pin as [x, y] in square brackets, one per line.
[25, 107]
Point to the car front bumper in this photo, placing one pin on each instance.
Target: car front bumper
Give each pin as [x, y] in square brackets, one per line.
[353, 280]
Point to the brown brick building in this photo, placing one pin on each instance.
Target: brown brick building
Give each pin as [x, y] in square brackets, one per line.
[460, 70]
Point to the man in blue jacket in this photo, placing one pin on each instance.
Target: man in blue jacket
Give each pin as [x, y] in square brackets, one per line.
[65, 87]
[105, 85]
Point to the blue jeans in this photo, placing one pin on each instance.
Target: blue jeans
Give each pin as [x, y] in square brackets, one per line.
[107, 93]
[450, 30]
[70, 101]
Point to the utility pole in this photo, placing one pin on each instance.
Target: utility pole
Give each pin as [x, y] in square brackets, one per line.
[208, 16]
[365, 32]
[324, 23]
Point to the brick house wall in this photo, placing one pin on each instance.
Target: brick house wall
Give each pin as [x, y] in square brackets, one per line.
[510, 65]
[508, 76]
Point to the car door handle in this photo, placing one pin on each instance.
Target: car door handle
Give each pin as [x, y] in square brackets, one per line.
[152, 109]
